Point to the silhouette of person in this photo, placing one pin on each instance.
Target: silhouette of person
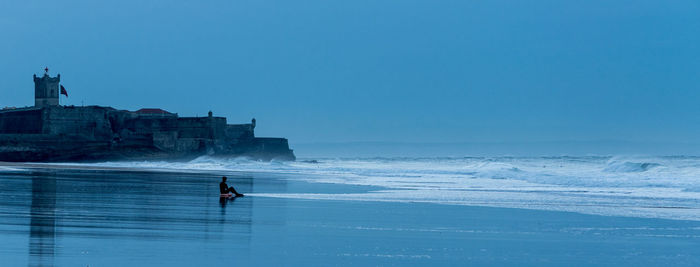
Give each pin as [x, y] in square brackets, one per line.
[225, 189]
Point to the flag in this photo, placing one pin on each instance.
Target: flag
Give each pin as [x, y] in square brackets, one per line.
[63, 91]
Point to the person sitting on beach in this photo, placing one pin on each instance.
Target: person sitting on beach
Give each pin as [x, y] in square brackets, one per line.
[225, 189]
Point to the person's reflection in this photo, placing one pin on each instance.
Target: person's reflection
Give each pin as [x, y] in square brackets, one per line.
[223, 201]
[42, 225]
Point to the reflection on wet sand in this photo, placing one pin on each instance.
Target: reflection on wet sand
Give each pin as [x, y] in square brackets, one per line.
[76, 215]
[42, 225]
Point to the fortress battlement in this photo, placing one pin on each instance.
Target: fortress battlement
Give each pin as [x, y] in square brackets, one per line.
[51, 132]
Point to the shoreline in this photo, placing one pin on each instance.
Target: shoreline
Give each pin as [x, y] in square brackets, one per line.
[65, 217]
[369, 193]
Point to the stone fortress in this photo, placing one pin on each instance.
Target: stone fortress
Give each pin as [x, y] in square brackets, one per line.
[49, 132]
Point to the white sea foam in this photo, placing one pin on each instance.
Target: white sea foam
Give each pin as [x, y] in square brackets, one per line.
[658, 187]
[6, 168]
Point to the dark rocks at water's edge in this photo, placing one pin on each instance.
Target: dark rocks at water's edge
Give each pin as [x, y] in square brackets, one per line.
[49, 132]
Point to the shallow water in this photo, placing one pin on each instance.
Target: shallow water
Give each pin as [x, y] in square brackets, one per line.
[79, 217]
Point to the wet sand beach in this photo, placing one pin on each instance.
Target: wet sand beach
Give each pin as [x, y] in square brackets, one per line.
[118, 217]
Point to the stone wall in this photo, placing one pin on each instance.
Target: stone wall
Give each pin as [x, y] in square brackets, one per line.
[46, 90]
[165, 140]
[240, 132]
[272, 144]
[207, 127]
[152, 124]
[87, 121]
[21, 122]
[56, 133]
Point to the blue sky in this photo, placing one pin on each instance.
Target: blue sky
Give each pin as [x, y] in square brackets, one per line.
[404, 71]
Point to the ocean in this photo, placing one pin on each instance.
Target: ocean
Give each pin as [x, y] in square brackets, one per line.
[417, 211]
[638, 186]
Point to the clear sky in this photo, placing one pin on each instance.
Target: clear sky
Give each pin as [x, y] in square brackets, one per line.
[375, 70]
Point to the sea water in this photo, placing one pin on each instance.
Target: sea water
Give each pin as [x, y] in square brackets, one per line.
[496, 211]
[637, 186]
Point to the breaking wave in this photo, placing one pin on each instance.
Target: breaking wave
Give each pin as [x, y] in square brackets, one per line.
[615, 165]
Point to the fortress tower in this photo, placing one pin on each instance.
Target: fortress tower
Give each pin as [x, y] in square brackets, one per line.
[46, 90]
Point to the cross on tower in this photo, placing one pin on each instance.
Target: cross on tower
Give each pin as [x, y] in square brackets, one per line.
[46, 69]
